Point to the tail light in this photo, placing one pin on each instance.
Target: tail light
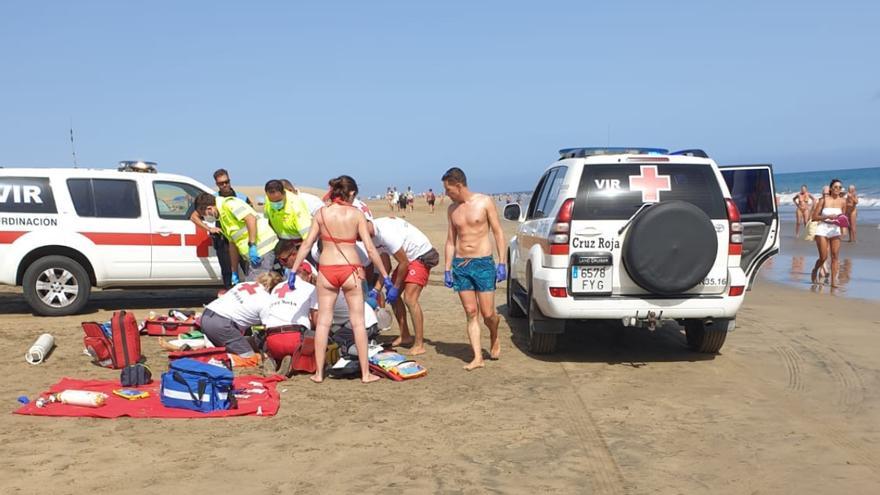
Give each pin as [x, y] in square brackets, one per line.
[735, 245]
[558, 291]
[561, 228]
[736, 290]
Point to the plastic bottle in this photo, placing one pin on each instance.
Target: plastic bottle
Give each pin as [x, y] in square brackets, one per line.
[81, 398]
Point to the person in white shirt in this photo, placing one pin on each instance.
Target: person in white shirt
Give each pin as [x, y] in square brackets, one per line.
[291, 310]
[226, 319]
[415, 256]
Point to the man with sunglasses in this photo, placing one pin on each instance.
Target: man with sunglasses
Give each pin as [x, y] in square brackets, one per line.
[221, 244]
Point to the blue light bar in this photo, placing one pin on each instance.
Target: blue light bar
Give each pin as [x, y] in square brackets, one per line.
[585, 152]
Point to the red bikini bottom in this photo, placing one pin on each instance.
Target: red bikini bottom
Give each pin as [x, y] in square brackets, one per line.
[338, 274]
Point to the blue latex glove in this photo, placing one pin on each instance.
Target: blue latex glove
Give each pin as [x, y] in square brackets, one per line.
[500, 272]
[447, 279]
[234, 278]
[388, 284]
[291, 279]
[392, 295]
[373, 299]
[254, 257]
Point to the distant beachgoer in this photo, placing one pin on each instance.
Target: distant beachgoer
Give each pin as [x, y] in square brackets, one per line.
[431, 198]
[470, 269]
[852, 203]
[827, 212]
[802, 202]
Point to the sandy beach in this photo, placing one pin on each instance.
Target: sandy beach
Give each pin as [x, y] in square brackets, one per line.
[790, 405]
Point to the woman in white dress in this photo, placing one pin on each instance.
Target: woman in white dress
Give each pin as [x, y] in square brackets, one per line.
[827, 212]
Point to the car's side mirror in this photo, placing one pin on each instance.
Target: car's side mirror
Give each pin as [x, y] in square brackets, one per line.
[512, 212]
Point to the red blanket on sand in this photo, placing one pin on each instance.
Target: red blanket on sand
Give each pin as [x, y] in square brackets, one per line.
[152, 407]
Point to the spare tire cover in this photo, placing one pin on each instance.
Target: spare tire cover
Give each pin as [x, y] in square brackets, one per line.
[670, 247]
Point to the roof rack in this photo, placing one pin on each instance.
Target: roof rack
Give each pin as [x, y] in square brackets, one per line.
[585, 152]
[137, 166]
[698, 153]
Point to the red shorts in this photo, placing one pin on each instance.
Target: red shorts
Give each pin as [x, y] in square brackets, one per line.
[416, 274]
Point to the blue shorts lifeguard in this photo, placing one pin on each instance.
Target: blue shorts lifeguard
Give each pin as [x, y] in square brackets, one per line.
[476, 274]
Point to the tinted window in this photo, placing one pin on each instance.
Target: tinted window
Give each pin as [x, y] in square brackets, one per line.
[615, 192]
[105, 198]
[174, 200]
[555, 184]
[536, 196]
[81, 195]
[750, 190]
[26, 195]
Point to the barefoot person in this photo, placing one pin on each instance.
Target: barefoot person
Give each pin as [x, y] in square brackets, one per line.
[802, 202]
[470, 270]
[852, 204]
[415, 257]
[339, 226]
[827, 212]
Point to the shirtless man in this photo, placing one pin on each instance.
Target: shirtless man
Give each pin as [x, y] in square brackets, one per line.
[802, 202]
[470, 269]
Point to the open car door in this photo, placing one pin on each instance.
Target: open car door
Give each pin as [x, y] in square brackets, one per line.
[754, 192]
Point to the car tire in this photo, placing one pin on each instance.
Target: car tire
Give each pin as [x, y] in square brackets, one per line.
[705, 338]
[539, 342]
[56, 286]
[513, 309]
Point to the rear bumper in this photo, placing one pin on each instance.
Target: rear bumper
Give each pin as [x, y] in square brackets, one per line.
[615, 307]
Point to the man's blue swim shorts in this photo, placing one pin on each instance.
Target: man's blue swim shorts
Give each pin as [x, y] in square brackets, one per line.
[476, 274]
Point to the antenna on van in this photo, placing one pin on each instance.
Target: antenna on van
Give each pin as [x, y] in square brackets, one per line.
[72, 146]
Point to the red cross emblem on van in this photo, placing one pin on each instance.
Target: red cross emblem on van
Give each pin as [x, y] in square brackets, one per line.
[650, 183]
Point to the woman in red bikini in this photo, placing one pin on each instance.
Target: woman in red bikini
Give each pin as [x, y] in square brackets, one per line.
[339, 226]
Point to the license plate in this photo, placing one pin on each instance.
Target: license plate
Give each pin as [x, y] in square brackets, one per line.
[591, 279]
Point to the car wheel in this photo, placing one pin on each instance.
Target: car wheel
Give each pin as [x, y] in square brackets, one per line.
[705, 338]
[513, 309]
[539, 342]
[56, 286]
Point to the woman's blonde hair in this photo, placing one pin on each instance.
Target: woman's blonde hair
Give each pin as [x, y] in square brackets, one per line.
[268, 280]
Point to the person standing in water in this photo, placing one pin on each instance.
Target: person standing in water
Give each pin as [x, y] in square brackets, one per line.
[470, 269]
[802, 202]
[827, 212]
[852, 203]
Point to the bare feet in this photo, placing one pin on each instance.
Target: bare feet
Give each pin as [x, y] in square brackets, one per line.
[317, 378]
[401, 342]
[495, 350]
[371, 378]
[476, 363]
[813, 276]
[417, 350]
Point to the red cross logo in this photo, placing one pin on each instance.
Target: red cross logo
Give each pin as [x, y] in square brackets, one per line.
[201, 240]
[250, 287]
[283, 291]
[649, 183]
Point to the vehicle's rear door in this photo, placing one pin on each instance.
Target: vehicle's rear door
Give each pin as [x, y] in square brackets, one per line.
[753, 190]
[181, 251]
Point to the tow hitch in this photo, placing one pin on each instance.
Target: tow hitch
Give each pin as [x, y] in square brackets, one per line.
[648, 321]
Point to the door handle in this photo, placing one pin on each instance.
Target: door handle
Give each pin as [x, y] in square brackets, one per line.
[164, 233]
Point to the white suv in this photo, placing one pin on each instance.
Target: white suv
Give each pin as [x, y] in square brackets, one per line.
[640, 235]
[63, 231]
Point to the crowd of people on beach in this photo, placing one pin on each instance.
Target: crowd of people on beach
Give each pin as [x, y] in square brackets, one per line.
[326, 264]
[826, 221]
[403, 201]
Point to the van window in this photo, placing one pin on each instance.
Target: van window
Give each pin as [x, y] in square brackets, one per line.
[175, 200]
[26, 195]
[607, 193]
[105, 198]
[536, 196]
[553, 195]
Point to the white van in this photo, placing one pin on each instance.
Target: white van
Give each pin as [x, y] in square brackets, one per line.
[64, 231]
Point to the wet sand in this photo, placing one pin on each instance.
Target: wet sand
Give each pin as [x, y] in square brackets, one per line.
[791, 405]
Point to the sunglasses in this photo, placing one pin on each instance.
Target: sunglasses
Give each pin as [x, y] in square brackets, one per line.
[837, 187]
[222, 182]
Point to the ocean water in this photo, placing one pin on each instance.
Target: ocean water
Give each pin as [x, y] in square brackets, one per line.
[866, 180]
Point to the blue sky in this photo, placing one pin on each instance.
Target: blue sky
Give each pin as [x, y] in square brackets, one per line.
[394, 93]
